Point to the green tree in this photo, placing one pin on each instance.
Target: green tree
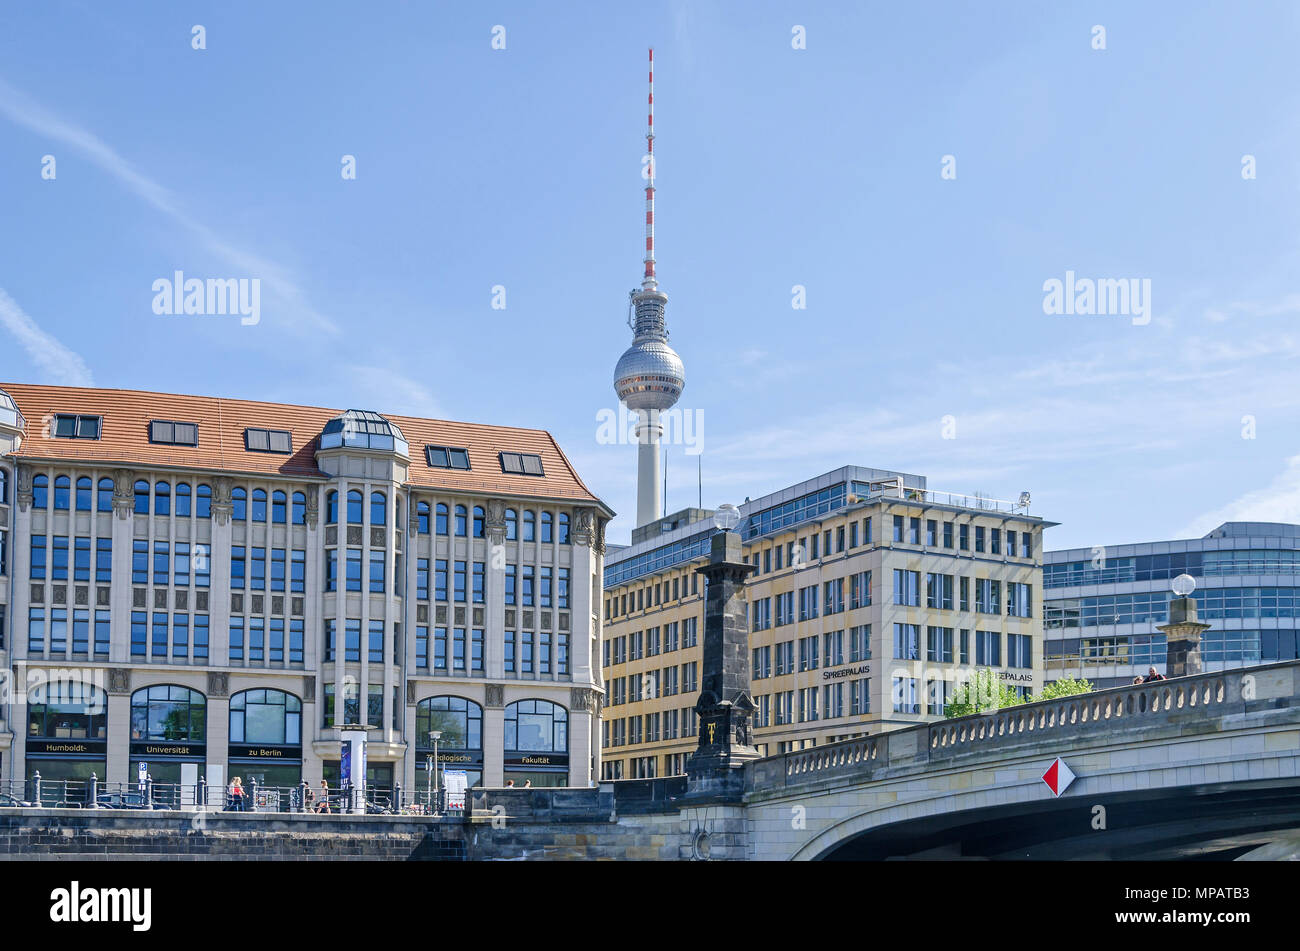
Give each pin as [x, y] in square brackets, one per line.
[1066, 687]
[981, 693]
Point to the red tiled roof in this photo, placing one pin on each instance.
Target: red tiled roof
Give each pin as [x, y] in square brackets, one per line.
[124, 440]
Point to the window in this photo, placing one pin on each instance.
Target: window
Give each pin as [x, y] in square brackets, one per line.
[299, 512]
[440, 518]
[1020, 651]
[355, 506]
[447, 457]
[905, 700]
[860, 590]
[203, 502]
[168, 712]
[378, 508]
[938, 645]
[268, 440]
[907, 642]
[521, 463]
[104, 495]
[938, 591]
[83, 494]
[170, 433]
[979, 538]
[563, 532]
[988, 648]
[536, 726]
[40, 491]
[546, 528]
[183, 499]
[259, 505]
[906, 587]
[266, 716]
[239, 504]
[461, 521]
[478, 521]
[1019, 599]
[860, 643]
[530, 525]
[141, 497]
[68, 426]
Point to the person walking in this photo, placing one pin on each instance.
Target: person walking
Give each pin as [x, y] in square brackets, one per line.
[236, 795]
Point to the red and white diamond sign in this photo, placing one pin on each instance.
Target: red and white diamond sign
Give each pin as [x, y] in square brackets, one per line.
[1058, 776]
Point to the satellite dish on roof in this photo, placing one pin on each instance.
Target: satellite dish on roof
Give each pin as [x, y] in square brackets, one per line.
[1184, 585]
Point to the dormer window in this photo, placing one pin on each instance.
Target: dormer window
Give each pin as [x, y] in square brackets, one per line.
[69, 426]
[447, 457]
[169, 433]
[268, 440]
[521, 463]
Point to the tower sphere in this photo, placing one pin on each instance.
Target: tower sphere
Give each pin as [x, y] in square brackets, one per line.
[649, 375]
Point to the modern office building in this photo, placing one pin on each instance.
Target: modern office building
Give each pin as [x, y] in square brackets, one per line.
[1102, 605]
[189, 579]
[872, 598]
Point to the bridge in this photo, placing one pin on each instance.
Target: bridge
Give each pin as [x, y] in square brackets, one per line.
[1205, 766]
[1196, 767]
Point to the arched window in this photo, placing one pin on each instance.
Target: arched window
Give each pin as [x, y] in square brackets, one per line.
[397, 511]
[332, 508]
[355, 501]
[62, 489]
[4, 486]
[183, 499]
[530, 526]
[537, 726]
[279, 504]
[259, 505]
[239, 504]
[104, 502]
[378, 508]
[441, 518]
[460, 720]
[162, 499]
[85, 488]
[460, 520]
[267, 716]
[168, 712]
[299, 508]
[141, 497]
[478, 521]
[67, 710]
[203, 502]
[547, 536]
[40, 491]
[563, 537]
[422, 517]
[512, 525]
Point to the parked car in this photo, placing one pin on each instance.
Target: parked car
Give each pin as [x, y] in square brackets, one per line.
[120, 800]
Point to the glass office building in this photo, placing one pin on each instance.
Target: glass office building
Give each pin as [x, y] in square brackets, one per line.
[1102, 605]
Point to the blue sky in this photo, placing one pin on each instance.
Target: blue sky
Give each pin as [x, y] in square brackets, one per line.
[777, 167]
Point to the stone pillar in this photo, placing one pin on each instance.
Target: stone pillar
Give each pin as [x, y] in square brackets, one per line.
[218, 737]
[117, 749]
[1183, 637]
[716, 770]
[494, 733]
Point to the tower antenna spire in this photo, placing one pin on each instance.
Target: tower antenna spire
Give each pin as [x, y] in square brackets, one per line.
[649, 282]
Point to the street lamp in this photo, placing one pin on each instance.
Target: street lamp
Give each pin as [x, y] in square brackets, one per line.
[435, 736]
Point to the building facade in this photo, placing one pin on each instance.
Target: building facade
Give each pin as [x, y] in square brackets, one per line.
[1103, 604]
[873, 598]
[230, 584]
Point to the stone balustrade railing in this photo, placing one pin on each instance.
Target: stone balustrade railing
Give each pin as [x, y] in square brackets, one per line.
[1129, 708]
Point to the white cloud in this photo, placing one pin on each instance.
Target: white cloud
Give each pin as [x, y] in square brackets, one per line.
[275, 279]
[56, 362]
[1279, 501]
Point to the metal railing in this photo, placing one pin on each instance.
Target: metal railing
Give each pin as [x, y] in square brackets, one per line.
[93, 793]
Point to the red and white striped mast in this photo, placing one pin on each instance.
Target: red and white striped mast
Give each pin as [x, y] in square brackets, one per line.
[649, 282]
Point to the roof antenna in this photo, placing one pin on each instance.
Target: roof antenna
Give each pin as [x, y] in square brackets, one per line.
[649, 282]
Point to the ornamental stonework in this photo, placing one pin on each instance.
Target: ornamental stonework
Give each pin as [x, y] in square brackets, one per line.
[123, 493]
[582, 526]
[24, 487]
[218, 684]
[494, 696]
[119, 680]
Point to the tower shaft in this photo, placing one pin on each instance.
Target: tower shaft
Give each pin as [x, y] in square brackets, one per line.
[648, 472]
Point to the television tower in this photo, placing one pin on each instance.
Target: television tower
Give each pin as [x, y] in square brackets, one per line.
[649, 376]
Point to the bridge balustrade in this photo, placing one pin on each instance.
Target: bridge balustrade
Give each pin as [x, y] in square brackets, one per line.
[1131, 706]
